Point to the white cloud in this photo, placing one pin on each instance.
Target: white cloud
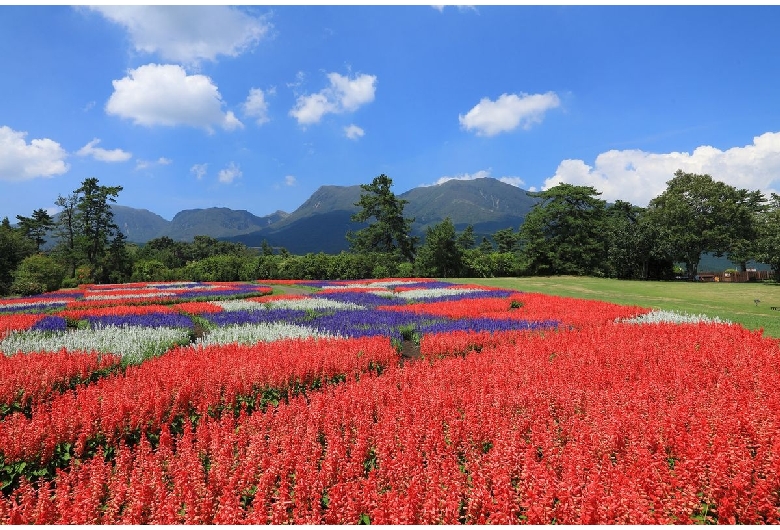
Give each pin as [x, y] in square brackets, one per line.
[484, 173]
[188, 34]
[163, 94]
[145, 164]
[508, 112]
[256, 106]
[637, 176]
[229, 174]
[461, 8]
[351, 94]
[342, 95]
[103, 155]
[353, 132]
[199, 170]
[310, 109]
[20, 160]
[290, 180]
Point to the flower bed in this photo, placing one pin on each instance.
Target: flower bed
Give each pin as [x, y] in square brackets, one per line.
[292, 409]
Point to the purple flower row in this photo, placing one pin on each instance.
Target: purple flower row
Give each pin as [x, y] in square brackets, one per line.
[31, 308]
[486, 324]
[370, 323]
[227, 318]
[473, 295]
[50, 323]
[368, 300]
[228, 291]
[151, 320]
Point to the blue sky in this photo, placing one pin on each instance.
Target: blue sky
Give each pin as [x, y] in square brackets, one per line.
[255, 107]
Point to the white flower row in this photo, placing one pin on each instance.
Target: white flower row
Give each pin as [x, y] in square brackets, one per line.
[24, 305]
[657, 316]
[239, 305]
[433, 293]
[372, 285]
[311, 304]
[90, 296]
[133, 343]
[180, 285]
[254, 333]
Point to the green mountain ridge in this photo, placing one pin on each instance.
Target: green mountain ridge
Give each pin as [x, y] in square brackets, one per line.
[321, 223]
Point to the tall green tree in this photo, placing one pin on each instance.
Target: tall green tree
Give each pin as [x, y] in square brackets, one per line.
[768, 241]
[95, 223]
[36, 227]
[564, 233]
[117, 264]
[65, 233]
[697, 214]
[14, 248]
[743, 215]
[441, 254]
[389, 231]
[632, 246]
[506, 239]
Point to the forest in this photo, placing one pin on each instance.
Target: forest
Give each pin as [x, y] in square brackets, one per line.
[570, 231]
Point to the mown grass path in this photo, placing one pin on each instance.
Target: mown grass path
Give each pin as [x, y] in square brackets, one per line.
[730, 301]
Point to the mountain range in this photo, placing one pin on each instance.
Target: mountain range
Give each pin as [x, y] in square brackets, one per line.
[321, 223]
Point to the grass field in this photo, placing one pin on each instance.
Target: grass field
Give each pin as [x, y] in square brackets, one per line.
[729, 301]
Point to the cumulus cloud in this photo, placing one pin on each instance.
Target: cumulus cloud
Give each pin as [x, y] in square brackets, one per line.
[103, 155]
[229, 174]
[199, 170]
[353, 132]
[145, 164]
[290, 180]
[163, 94]
[484, 173]
[20, 160]
[509, 111]
[188, 34]
[638, 176]
[342, 95]
[256, 106]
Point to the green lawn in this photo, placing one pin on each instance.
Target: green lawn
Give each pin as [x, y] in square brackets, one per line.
[729, 301]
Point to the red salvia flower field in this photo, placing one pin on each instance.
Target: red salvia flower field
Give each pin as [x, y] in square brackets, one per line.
[592, 420]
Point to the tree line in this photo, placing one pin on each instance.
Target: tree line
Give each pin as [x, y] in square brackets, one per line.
[569, 231]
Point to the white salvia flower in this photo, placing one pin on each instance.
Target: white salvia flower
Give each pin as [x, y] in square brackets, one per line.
[179, 285]
[133, 343]
[240, 305]
[24, 305]
[657, 316]
[371, 285]
[433, 293]
[254, 333]
[123, 296]
[312, 304]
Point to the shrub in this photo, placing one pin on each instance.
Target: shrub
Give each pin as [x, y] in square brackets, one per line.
[37, 274]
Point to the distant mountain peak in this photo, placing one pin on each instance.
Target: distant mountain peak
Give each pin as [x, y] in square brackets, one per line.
[322, 221]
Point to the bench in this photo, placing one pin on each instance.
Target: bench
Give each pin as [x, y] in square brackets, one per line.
[775, 308]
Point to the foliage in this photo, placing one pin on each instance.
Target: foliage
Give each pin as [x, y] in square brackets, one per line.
[14, 247]
[564, 232]
[697, 214]
[95, 224]
[440, 255]
[36, 227]
[37, 274]
[390, 232]
[218, 268]
[768, 240]
[506, 240]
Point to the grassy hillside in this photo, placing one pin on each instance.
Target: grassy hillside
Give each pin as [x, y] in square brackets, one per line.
[730, 301]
